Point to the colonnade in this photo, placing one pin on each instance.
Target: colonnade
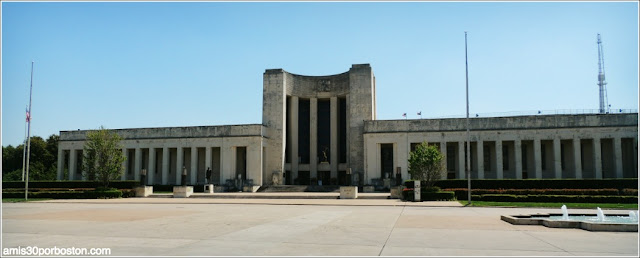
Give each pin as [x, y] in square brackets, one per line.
[314, 165]
[162, 162]
[516, 158]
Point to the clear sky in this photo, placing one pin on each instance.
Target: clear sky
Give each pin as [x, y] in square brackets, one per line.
[158, 64]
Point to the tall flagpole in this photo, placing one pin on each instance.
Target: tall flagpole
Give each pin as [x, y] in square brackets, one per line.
[466, 64]
[26, 185]
[24, 144]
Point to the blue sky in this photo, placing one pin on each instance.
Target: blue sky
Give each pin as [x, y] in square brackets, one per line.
[134, 65]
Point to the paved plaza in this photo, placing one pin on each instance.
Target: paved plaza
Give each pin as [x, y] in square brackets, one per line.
[301, 227]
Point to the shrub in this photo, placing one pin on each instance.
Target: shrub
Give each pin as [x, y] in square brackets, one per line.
[408, 195]
[409, 184]
[620, 183]
[127, 184]
[554, 198]
[437, 196]
[433, 189]
[463, 191]
[91, 194]
[629, 192]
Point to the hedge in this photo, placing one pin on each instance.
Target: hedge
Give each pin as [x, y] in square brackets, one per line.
[461, 193]
[630, 183]
[438, 196]
[408, 195]
[128, 184]
[67, 194]
[554, 198]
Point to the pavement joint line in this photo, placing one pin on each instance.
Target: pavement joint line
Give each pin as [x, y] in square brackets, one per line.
[542, 240]
[391, 232]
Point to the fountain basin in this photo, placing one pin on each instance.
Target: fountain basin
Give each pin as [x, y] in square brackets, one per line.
[588, 222]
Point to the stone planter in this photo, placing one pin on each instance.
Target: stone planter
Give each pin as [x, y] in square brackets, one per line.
[396, 192]
[348, 192]
[182, 191]
[250, 189]
[143, 191]
[208, 188]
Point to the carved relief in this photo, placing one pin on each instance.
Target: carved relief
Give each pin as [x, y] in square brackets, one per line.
[324, 86]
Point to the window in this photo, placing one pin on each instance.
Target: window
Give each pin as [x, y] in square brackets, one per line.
[505, 157]
[543, 155]
[487, 157]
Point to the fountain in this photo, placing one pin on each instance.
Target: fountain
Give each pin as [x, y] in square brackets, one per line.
[633, 216]
[593, 222]
[600, 215]
[565, 213]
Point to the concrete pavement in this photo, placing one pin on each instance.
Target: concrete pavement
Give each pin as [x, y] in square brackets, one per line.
[297, 227]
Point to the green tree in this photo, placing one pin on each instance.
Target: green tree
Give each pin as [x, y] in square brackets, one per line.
[103, 156]
[426, 164]
[42, 160]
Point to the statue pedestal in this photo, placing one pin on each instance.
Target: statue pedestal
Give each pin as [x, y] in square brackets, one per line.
[348, 192]
[182, 191]
[143, 191]
[208, 188]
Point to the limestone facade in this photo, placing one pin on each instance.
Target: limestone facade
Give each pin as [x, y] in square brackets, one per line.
[323, 130]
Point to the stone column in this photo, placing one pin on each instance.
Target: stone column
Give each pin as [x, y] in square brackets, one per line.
[537, 158]
[313, 138]
[597, 158]
[60, 163]
[480, 150]
[293, 136]
[138, 165]
[125, 164]
[165, 165]
[228, 161]
[617, 154]
[254, 164]
[194, 165]
[83, 175]
[499, 167]
[152, 166]
[577, 157]
[443, 150]
[179, 164]
[557, 158]
[461, 166]
[334, 137]
[72, 164]
[517, 152]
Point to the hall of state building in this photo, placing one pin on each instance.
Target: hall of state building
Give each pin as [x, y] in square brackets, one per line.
[324, 129]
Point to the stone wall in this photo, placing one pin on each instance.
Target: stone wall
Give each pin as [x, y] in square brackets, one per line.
[174, 132]
[502, 123]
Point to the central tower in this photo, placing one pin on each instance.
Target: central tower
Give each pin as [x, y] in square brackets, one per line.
[314, 124]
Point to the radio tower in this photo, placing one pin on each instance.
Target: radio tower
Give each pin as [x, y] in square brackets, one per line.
[601, 83]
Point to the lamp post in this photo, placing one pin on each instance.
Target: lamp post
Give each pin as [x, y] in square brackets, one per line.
[466, 64]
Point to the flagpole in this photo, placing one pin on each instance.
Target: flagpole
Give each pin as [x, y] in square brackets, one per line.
[26, 185]
[466, 64]
[24, 147]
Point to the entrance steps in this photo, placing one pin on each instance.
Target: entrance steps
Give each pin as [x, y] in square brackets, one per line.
[282, 192]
